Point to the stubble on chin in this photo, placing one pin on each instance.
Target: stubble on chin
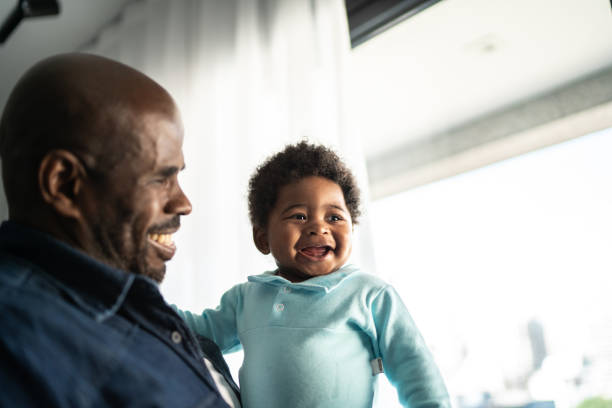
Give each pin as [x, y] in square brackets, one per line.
[113, 248]
[116, 247]
[156, 274]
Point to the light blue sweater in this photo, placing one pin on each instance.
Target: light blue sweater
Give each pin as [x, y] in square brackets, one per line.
[310, 344]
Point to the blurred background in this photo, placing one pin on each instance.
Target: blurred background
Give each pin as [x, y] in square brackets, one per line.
[480, 132]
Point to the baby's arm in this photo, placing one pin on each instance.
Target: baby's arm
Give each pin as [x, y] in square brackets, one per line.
[219, 324]
[407, 361]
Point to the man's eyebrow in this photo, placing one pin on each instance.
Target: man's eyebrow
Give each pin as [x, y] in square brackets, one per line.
[170, 171]
[292, 206]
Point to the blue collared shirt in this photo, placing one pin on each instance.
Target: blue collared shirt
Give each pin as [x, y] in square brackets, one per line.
[78, 333]
[317, 343]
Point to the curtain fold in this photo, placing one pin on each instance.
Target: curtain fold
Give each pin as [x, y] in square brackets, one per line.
[249, 77]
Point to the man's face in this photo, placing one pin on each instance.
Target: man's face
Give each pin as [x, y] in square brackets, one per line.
[309, 229]
[136, 207]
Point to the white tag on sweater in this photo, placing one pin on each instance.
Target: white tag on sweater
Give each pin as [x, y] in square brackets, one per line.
[377, 366]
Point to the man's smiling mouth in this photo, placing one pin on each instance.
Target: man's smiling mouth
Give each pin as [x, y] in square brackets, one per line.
[162, 239]
[164, 245]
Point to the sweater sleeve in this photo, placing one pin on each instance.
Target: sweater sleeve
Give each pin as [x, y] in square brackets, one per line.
[407, 361]
[219, 324]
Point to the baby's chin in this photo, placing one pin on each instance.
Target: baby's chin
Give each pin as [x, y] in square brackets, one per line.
[300, 275]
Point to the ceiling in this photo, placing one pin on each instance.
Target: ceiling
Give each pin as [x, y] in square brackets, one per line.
[452, 63]
[461, 59]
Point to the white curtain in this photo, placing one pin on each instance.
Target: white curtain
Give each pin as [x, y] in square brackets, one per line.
[249, 77]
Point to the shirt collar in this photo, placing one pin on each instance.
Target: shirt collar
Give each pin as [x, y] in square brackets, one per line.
[93, 285]
[324, 283]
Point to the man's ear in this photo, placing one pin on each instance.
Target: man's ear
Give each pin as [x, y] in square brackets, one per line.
[260, 237]
[60, 179]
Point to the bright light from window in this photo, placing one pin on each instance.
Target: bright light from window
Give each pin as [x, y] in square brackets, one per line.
[507, 270]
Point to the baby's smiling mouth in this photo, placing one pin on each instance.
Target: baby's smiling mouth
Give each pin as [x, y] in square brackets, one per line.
[316, 252]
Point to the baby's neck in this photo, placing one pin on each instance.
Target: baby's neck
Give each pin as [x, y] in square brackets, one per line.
[294, 275]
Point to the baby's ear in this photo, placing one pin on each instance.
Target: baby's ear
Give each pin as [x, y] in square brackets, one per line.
[260, 237]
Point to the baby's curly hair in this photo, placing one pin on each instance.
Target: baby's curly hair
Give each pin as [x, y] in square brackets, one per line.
[292, 164]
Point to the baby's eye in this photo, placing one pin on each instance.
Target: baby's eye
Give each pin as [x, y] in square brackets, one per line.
[300, 217]
[334, 218]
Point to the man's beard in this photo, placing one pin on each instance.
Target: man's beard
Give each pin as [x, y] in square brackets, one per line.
[128, 255]
[157, 274]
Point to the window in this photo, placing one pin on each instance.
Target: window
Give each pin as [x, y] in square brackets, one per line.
[507, 270]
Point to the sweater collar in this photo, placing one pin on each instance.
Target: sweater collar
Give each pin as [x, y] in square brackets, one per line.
[324, 283]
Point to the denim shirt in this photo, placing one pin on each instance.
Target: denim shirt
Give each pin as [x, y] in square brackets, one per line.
[78, 333]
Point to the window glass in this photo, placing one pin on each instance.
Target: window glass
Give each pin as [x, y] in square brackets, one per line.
[507, 271]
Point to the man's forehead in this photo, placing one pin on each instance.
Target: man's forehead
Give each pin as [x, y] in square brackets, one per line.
[147, 123]
[159, 127]
[162, 134]
[140, 139]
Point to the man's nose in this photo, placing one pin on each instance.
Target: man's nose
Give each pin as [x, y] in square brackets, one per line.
[179, 203]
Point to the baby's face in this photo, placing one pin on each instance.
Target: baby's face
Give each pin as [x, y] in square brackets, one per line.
[309, 229]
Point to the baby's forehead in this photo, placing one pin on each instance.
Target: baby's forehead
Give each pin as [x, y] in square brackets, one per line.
[309, 190]
[311, 183]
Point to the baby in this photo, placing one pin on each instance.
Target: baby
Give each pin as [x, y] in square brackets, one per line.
[316, 331]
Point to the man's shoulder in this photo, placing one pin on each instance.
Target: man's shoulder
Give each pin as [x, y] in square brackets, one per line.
[13, 270]
[21, 281]
[32, 302]
[29, 298]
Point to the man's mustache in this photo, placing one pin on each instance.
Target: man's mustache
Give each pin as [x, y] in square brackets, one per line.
[173, 224]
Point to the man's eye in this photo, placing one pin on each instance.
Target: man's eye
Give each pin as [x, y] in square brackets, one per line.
[161, 181]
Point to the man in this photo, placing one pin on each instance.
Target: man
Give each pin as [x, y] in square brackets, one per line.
[91, 150]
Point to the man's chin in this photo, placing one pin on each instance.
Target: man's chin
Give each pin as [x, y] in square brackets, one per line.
[151, 266]
[157, 274]
[154, 272]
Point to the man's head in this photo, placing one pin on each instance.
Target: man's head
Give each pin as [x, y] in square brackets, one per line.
[91, 151]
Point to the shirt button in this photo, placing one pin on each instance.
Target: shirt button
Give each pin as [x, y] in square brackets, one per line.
[176, 337]
[280, 307]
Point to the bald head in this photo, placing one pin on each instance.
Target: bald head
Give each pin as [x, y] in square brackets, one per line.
[91, 150]
[79, 102]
